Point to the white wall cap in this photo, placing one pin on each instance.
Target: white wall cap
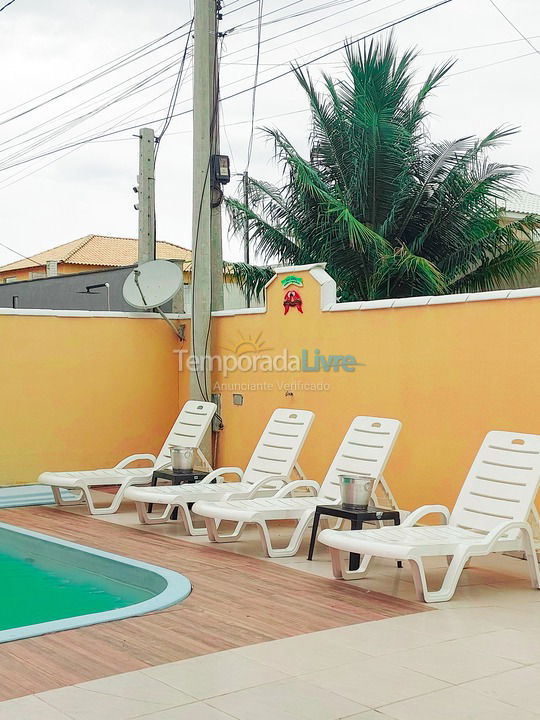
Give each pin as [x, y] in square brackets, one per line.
[524, 293]
[446, 299]
[412, 301]
[378, 304]
[489, 295]
[297, 268]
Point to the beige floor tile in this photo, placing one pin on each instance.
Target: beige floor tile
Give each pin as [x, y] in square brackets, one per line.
[518, 645]
[518, 687]
[456, 703]
[29, 708]
[374, 682]
[302, 654]
[453, 664]
[216, 674]
[377, 638]
[197, 711]
[368, 715]
[81, 704]
[138, 686]
[289, 700]
[454, 623]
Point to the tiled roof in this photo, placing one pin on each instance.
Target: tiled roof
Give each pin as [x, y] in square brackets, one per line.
[99, 250]
[522, 201]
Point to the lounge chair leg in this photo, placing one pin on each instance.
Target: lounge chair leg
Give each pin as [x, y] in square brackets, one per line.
[530, 554]
[294, 543]
[146, 519]
[59, 500]
[213, 533]
[419, 579]
[108, 509]
[185, 514]
[449, 583]
[336, 557]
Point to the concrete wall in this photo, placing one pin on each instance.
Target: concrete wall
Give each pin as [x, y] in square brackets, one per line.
[81, 391]
[450, 368]
[68, 292]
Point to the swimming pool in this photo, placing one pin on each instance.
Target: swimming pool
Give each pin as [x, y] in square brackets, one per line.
[49, 585]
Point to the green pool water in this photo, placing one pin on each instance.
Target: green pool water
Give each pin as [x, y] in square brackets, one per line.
[39, 589]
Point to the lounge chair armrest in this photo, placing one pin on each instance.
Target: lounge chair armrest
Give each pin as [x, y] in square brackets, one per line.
[132, 458]
[421, 512]
[217, 474]
[501, 529]
[266, 481]
[289, 487]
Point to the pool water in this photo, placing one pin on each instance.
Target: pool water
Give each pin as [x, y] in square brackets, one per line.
[48, 585]
[37, 589]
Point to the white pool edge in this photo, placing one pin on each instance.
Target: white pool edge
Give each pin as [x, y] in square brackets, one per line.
[177, 589]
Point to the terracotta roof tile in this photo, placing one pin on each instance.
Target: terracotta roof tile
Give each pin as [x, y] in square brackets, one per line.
[99, 250]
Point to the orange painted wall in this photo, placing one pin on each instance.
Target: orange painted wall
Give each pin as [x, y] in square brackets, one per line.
[63, 268]
[82, 392]
[449, 372]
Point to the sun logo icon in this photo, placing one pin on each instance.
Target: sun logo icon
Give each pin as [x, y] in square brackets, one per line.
[249, 345]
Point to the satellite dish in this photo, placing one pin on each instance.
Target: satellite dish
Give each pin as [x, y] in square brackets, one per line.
[152, 284]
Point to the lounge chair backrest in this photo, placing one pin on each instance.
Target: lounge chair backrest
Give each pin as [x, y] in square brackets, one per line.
[280, 444]
[502, 483]
[189, 428]
[365, 450]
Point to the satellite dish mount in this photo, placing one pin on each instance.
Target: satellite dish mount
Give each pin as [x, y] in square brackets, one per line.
[153, 284]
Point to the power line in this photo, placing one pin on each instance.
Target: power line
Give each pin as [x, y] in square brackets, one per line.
[422, 53]
[122, 62]
[50, 134]
[498, 9]
[134, 89]
[175, 91]
[16, 252]
[255, 82]
[382, 28]
[7, 5]
[326, 30]
[93, 70]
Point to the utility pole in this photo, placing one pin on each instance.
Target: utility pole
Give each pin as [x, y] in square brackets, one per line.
[147, 198]
[206, 224]
[216, 247]
[246, 225]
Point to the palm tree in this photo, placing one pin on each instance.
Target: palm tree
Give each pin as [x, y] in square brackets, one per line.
[390, 211]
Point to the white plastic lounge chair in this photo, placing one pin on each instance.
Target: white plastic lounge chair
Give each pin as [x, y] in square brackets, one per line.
[271, 465]
[188, 430]
[365, 450]
[489, 516]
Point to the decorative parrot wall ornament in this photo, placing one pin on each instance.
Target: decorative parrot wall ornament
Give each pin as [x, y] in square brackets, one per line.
[292, 298]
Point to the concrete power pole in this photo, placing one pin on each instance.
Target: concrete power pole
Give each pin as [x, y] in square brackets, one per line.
[245, 178]
[147, 199]
[207, 274]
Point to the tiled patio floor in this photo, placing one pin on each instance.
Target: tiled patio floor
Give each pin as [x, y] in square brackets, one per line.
[474, 658]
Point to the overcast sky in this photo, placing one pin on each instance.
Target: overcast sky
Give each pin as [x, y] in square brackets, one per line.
[45, 44]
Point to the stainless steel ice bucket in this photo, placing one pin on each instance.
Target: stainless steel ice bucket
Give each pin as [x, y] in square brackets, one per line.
[356, 491]
[181, 457]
